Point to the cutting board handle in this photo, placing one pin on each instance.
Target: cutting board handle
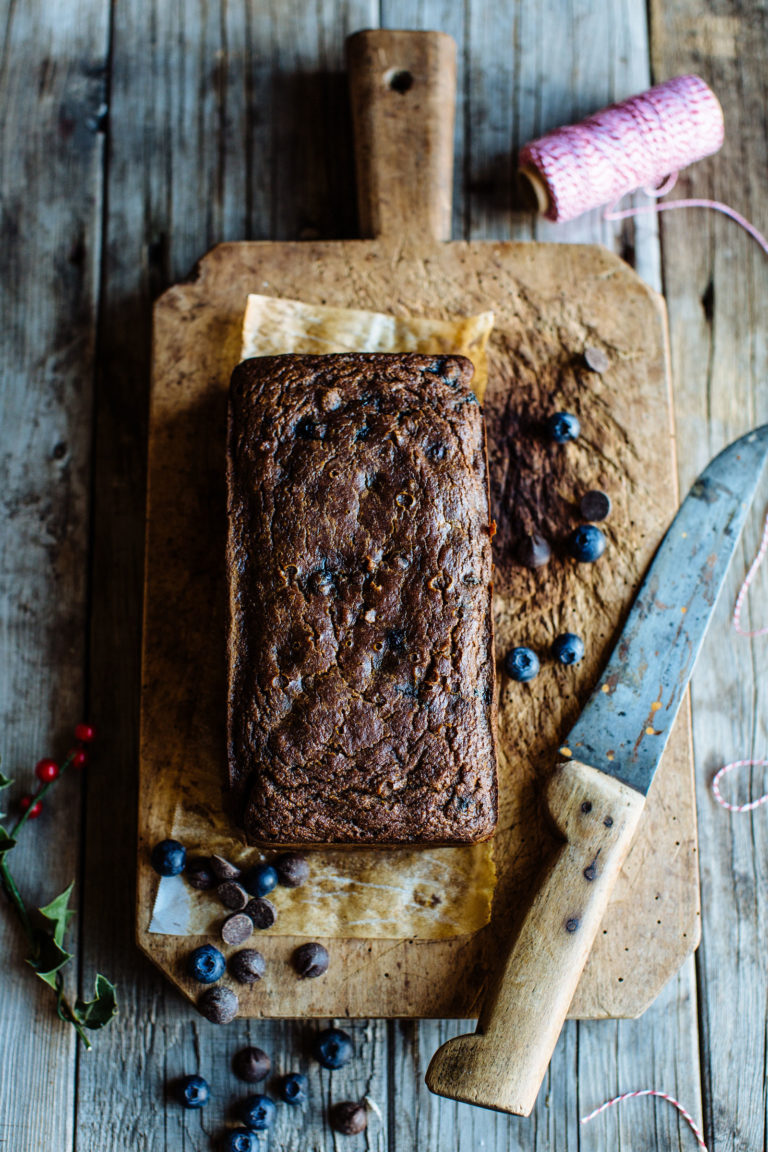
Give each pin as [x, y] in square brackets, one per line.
[403, 93]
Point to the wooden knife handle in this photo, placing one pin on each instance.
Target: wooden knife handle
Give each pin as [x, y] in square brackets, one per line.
[403, 93]
[502, 1065]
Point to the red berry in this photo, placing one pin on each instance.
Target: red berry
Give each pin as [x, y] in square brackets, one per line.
[35, 808]
[78, 757]
[85, 733]
[46, 770]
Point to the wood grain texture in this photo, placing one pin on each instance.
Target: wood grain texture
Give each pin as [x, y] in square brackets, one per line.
[717, 284]
[51, 150]
[234, 125]
[534, 358]
[503, 1063]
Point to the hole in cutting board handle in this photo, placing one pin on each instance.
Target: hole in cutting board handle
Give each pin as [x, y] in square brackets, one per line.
[399, 80]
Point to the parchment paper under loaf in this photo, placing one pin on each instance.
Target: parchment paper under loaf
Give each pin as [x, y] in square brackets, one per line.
[273, 326]
[427, 894]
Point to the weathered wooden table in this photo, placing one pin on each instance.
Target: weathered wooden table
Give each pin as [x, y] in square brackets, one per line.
[134, 136]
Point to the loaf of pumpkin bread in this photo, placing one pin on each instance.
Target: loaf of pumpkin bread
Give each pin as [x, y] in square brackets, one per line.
[361, 701]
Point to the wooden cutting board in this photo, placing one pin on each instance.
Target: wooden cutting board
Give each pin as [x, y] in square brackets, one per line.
[551, 302]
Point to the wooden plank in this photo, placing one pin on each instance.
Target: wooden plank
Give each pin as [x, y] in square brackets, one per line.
[51, 151]
[660, 1051]
[203, 107]
[717, 285]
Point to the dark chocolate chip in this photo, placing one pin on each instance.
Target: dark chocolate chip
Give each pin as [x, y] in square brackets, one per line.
[236, 928]
[232, 895]
[218, 1004]
[309, 430]
[199, 873]
[262, 912]
[311, 960]
[251, 1065]
[349, 1117]
[396, 640]
[222, 869]
[595, 359]
[534, 551]
[247, 966]
[595, 505]
[292, 869]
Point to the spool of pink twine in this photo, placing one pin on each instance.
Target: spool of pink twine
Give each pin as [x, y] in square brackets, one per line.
[638, 143]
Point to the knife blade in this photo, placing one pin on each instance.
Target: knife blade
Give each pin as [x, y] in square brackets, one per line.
[624, 727]
[597, 792]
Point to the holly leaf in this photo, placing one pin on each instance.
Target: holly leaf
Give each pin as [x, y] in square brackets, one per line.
[6, 842]
[50, 959]
[51, 955]
[98, 1012]
[4, 783]
[59, 914]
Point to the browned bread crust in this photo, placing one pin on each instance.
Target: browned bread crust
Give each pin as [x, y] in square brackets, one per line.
[361, 702]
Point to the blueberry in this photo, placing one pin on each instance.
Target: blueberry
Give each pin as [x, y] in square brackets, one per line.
[168, 858]
[522, 664]
[568, 648]
[293, 1088]
[193, 1091]
[240, 1140]
[563, 426]
[257, 1112]
[586, 543]
[260, 880]
[206, 964]
[333, 1048]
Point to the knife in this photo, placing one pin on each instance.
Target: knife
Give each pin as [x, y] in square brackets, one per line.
[597, 792]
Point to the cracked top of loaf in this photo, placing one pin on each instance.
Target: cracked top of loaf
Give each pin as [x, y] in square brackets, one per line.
[361, 700]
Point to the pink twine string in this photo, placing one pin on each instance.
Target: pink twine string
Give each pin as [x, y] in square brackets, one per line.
[748, 580]
[650, 1092]
[634, 144]
[736, 621]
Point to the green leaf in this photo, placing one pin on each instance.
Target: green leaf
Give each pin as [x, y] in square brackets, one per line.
[6, 842]
[59, 914]
[98, 1012]
[50, 959]
[4, 783]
